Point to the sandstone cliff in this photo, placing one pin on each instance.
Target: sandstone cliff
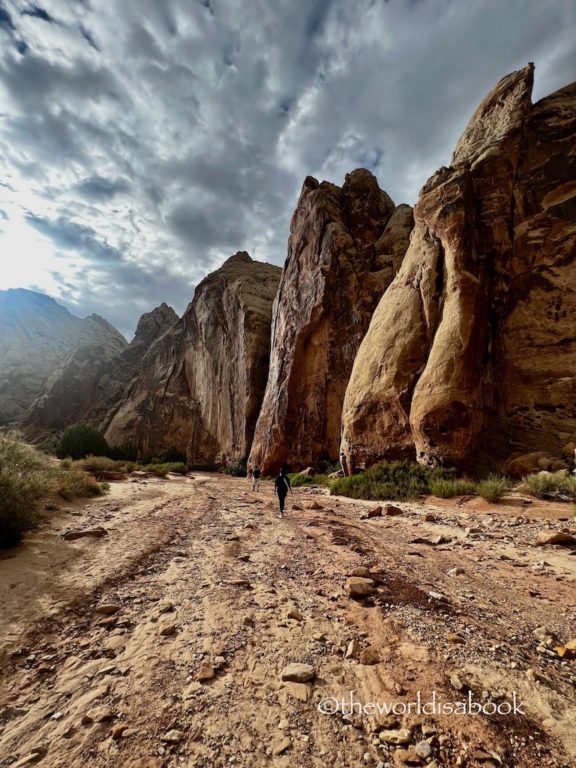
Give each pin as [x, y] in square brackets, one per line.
[471, 351]
[201, 385]
[37, 335]
[91, 383]
[345, 246]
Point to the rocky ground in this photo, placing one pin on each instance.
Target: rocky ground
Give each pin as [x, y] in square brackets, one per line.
[169, 638]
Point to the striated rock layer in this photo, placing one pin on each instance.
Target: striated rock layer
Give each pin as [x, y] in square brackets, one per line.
[201, 385]
[346, 244]
[36, 336]
[91, 384]
[471, 352]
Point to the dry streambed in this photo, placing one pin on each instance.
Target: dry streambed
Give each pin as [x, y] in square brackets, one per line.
[199, 630]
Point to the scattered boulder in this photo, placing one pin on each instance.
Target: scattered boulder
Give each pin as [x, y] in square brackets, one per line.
[205, 673]
[563, 538]
[369, 656]
[360, 587]
[173, 737]
[396, 736]
[107, 609]
[94, 533]
[363, 571]
[298, 673]
[391, 510]
[315, 505]
[370, 513]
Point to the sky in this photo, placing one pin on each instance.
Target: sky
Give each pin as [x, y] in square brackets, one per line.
[143, 142]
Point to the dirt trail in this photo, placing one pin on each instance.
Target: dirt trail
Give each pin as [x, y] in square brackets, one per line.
[163, 643]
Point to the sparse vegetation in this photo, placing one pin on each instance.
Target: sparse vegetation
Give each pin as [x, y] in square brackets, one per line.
[298, 479]
[80, 441]
[493, 488]
[163, 469]
[27, 477]
[24, 481]
[447, 487]
[394, 480]
[74, 483]
[556, 486]
[237, 468]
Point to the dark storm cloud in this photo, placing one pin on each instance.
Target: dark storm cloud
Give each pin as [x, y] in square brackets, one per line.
[71, 236]
[97, 189]
[153, 139]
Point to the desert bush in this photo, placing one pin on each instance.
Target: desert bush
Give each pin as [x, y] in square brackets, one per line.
[98, 464]
[127, 453]
[75, 483]
[493, 487]
[237, 468]
[446, 487]
[80, 441]
[557, 486]
[298, 479]
[394, 480]
[24, 481]
[162, 469]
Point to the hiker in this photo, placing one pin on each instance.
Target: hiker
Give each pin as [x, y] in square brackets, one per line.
[282, 485]
[256, 478]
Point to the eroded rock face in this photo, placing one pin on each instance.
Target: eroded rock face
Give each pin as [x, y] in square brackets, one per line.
[471, 350]
[345, 247]
[201, 385]
[36, 336]
[91, 384]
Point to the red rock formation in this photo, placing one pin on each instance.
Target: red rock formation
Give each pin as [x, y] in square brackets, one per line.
[201, 385]
[471, 351]
[345, 247]
[91, 384]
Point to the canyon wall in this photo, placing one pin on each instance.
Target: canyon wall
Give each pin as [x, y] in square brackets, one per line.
[471, 353]
[201, 385]
[345, 246]
[91, 384]
[37, 336]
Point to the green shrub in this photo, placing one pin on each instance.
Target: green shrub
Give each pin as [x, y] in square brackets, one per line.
[97, 464]
[74, 483]
[237, 468]
[123, 453]
[298, 479]
[394, 480]
[556, 486]
[162, 469]
[80, 441]
[24, 481]
[446, 488]
[493, 488]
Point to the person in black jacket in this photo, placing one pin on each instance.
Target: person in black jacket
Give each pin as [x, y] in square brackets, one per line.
[281, 486]
[256, 478]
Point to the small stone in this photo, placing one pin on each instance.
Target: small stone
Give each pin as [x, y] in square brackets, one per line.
[295, 614]
[396, 736]
[298, 673]
[454, 637]
[98, 715]
[369, 656]
[165, 606]
[423, 749]
[107, 609]
[167, 629]
[361, 571]
[281, 746]
[456, 682]
[360, 587]
[118, 731]
[353, 649]
[391, 510]
[456, 571]
[314, 505]
[205, 673]
[173, 737]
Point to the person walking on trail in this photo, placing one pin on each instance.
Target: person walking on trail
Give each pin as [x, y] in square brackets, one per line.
[256, 478]
[282, 485]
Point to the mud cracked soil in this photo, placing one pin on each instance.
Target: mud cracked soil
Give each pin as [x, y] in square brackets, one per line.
[163, 642]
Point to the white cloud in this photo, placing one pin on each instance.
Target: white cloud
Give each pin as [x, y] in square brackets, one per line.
[173, 133]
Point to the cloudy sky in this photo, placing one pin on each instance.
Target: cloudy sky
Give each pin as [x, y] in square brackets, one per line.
[144, 141]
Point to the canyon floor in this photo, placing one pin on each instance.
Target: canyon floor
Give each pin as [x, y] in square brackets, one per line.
[162, 643]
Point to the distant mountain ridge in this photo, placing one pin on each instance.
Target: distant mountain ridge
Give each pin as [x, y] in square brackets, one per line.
[37, 336]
